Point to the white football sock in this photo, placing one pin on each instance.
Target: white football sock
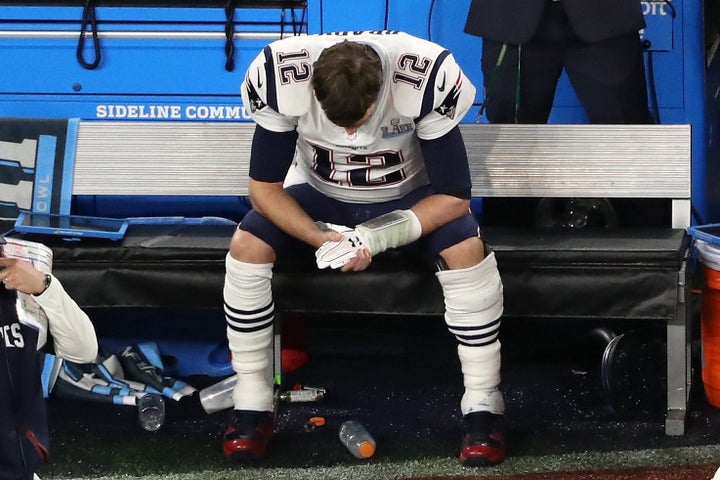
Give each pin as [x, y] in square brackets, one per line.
[250, 314]
[473, 307]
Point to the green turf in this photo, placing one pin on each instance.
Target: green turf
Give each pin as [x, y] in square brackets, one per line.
[379, 469]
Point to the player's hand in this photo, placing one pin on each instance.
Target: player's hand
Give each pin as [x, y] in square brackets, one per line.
[362, 260]
[339, 254]
[331, 232]
[17, 274]
[331, 227]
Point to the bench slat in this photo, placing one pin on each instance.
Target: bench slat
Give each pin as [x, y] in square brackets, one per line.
[162, 158]
[189, 158]
[613, 161]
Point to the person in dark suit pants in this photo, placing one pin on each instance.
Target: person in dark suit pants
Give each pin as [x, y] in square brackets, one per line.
[597, 42]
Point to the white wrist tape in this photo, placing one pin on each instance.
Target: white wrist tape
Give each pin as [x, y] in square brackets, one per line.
[393, 229]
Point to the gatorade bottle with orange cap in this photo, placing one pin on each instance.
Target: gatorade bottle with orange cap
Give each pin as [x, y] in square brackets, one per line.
[354, 436]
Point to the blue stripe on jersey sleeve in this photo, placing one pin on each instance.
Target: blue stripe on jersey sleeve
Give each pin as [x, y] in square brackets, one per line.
[429, 95]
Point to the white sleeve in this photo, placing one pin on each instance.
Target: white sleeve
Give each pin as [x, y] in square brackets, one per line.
[260, 98]
[452, 96]
[72, 331]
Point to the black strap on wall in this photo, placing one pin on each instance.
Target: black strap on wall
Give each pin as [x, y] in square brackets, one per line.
[387, 14]
[89, 20]
[229, 35]
[88, 17]
[297, 25]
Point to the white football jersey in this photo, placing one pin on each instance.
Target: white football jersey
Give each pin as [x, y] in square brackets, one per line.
[424, 95]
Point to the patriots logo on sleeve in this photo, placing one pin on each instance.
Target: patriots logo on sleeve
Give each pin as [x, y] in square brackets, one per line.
[256, 102]
[449, 103]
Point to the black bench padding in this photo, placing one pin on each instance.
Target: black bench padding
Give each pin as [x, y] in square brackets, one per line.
[590, 273]
[586, 273]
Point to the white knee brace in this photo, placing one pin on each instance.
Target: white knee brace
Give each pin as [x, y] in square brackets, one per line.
[473, 307]
[250, 315]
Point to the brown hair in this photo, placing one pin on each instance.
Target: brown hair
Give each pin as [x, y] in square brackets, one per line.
[347, 78]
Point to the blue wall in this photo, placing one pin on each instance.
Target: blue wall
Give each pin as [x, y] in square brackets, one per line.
[169, 63]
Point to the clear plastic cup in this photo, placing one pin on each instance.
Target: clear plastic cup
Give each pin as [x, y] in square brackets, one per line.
[218, 396]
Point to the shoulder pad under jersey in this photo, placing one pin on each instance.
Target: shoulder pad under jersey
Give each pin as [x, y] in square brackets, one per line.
[280, 75]
[442, 89]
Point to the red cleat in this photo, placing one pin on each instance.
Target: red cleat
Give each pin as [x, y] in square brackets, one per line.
[483, 444]
[248, 434]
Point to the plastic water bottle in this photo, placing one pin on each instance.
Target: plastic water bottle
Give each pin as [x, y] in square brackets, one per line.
[304, 394]
[151, 412]
[354, 436]
[218, 396]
